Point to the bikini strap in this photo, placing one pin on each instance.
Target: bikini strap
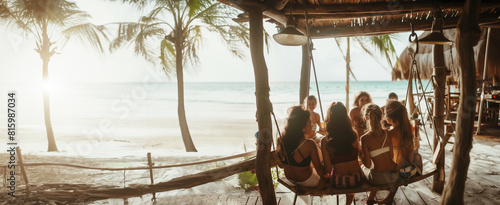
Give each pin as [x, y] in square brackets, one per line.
[299, 150]
[384, 140]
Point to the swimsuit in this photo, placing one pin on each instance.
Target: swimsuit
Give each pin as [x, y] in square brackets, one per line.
[346, 181]
[313, 180]
[306, 162]
[380, 177]
[380, 151]
[350, 157]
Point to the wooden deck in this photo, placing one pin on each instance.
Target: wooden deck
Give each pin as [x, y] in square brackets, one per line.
[482, 185]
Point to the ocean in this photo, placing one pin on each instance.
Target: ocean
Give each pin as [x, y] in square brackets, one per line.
[145, 114]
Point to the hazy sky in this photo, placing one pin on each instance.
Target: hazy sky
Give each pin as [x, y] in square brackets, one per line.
[78, 63]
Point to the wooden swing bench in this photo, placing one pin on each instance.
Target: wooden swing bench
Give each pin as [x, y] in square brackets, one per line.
[365, 187]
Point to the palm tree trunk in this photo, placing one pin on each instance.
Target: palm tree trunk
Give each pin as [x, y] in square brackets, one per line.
[468, 34]
[45, 55]
[181, 112]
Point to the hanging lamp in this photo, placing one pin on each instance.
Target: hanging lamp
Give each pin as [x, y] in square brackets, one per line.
[242, 18]
[436, 36]
[290, 36]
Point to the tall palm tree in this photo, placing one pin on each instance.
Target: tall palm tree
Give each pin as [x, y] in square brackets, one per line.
[179, 24]
[383, 44]
[51, 23]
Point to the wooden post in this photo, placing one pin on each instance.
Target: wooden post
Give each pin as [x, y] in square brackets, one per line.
[21, 165]
[468, 34]
[484, 78]
[348, 71]
[305, 74]
[150, 164]
[262, 164]
[439, 71]
[409, 98]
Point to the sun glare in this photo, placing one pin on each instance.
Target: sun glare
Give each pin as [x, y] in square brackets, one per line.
[50, 87]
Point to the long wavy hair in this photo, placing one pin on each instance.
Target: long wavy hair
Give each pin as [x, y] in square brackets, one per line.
[339, 130]
[294, 131]
[373, 116]
[397, 112]
[361, 94]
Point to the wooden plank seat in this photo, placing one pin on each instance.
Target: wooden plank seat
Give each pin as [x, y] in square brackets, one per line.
[365, 187]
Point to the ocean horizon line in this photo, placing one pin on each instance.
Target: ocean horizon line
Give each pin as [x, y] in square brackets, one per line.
[205, 82]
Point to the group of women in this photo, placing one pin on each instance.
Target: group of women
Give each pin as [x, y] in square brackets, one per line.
[356, 147]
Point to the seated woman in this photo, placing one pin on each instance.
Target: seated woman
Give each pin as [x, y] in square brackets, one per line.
[340, 150]
[310, 103]
[405, 155]
[378, 167]
[296, 153]
[356, 116]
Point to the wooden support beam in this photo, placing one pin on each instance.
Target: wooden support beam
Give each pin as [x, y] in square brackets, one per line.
[387, 28]
[439, 71]
[378, 8]
[266, 9]
[305, 74]
[468, 34]
[264, 107]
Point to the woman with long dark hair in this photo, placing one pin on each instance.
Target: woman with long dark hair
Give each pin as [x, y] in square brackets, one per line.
[300, 156]
[340, 149]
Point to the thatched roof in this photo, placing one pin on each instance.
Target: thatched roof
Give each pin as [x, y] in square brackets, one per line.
[340, 18]
[424, 57]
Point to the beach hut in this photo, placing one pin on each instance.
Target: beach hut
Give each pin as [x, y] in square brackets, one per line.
[317, 19]
[424, 57]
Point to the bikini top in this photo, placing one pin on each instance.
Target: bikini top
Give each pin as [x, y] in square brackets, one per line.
[381, 150]
[306, 162]
[347, 158]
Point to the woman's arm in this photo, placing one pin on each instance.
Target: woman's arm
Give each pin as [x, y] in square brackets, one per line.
[365, 157]
[315, 157]
[326, 156]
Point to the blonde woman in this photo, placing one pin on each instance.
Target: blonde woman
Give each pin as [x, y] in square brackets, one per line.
[377, 153]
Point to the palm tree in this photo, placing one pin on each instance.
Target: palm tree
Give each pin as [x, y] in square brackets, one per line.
[51, 23]
[180, 24]
[381, 43]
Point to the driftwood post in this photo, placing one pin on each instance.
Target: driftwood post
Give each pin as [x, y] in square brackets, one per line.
[468, 34]
[439, 71]
[262, 164]
[150, 164]
[305, 74]
[21, 165]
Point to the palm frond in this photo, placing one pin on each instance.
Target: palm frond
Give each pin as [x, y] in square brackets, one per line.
[167, 57]
[363, 46]
[126, 32]
[88, 33]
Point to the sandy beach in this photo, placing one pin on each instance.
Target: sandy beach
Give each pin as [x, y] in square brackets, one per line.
[481, 187]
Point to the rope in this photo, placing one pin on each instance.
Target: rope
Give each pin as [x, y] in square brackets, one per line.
[279, 133]
[251, 153]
